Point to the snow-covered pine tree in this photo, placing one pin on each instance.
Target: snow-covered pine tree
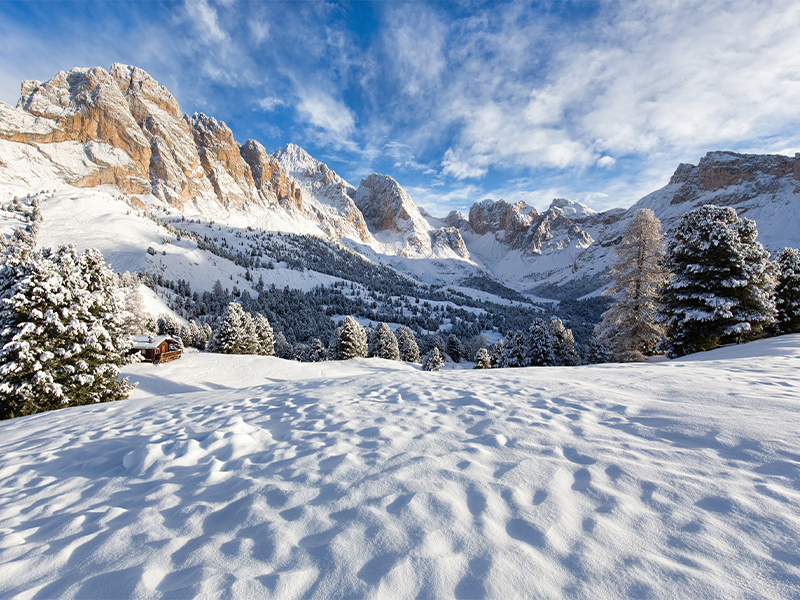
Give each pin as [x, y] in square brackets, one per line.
[61, 336]
[722, 280]
[540, 344]
[372, 341]
[787, 290]
[482, 360]
[264, 336]
[249, 343]
[386, 345]
[316, 351]
[563, 344]
[495, 352]
[433, 361]
[515, 351]
[630, 326]
[407, 344]
[229, 336]
[595, 353]
[455, 349]
[351, 340]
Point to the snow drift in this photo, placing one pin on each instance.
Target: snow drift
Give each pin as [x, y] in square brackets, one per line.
[235, 476]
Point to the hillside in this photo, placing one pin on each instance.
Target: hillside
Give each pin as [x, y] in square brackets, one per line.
[248, 476]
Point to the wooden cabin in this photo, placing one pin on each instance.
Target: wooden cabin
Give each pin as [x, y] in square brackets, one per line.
[157, 348]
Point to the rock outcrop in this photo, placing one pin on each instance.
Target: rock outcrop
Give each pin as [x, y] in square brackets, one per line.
[388, 208]
[521, 227]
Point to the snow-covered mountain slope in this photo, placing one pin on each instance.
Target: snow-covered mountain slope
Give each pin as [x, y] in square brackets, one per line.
[256, 477]
[88, 128]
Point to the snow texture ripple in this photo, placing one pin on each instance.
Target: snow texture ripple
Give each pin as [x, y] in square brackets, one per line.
[231, 476]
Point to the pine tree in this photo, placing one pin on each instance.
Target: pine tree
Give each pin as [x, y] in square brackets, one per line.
[455, 348]
[563, 344]
[407, 345]
[433, 361]
[540, 344]
[386, 345]
[596, 353]
[787, 290]
[482, 360]
[316, 351]
[249, 343]
[61, 331]
[721, 286]
[515, 351]
[229, 336]
[351, 340]
[630, 326]
[264, 336]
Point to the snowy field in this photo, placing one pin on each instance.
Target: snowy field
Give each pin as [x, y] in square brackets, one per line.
[253, 477]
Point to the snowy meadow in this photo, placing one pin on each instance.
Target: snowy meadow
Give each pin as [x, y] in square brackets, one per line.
[246, 476]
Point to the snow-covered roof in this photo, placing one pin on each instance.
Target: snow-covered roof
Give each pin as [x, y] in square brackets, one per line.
[147, 342]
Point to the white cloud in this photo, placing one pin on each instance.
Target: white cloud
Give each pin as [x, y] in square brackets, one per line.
[269, 103]
[204, 18]
[331, 117]
[606, 162]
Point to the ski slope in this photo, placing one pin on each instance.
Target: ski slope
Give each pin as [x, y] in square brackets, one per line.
[246, 477]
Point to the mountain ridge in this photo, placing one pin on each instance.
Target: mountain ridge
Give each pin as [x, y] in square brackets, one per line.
[89, 127]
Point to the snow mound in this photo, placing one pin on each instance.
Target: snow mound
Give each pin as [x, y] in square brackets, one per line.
[257, 477]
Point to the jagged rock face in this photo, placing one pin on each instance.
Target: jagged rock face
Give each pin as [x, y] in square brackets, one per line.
[335, 212]
[270, 179]
[222, 162]
[449, 238]
[88, 106]
[387, 207]
[733, 178]
[457, 219]
[505, 220]
[175, 169]
[521, 227]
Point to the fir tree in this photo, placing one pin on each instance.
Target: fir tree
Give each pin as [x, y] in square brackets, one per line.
[482, 360]
[721, 286]
[563, 344]
[316, 351]
[351, 340]
[515, 351]
[630, 326]
[386, 346]
[455, 348]
[265, 340]
[407, 345]
[230, 335]
[540, 344]
[61, 331]
[433, 361]
[787, 290]
[249, 343]
[596, 353]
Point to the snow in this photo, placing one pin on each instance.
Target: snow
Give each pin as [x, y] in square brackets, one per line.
[257, 477]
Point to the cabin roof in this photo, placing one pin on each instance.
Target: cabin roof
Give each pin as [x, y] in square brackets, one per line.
[149, 342]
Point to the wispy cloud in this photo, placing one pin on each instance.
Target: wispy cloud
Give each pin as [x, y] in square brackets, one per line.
[203, 17]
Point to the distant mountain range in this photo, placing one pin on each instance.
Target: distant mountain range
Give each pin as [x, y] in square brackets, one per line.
[123, 135]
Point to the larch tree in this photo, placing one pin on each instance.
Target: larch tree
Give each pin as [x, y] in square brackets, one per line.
[722, 281]
[630, 328]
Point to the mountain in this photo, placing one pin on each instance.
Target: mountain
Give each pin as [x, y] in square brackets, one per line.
[122, 134]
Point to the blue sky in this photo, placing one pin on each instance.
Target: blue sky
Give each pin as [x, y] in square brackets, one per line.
[459, 101]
